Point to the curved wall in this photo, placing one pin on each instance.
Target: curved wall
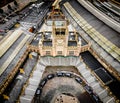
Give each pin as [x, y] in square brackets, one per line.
[107, 20]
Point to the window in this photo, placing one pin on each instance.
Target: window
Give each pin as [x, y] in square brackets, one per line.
[47, 52]
[59, 52]
[71, 52]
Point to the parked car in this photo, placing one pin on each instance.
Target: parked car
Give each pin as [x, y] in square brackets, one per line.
[88, 89]
[43, 82]
[60, 74]
[96, 98]
[38, 91]
[68, 74]
[78, 79]
[50, 76]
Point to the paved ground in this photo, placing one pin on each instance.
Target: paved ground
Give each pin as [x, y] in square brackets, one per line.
[68, 88]
[66, 99]
[64, 85]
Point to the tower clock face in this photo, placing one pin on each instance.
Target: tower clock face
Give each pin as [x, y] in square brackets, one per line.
[60, 41]
[60, 45]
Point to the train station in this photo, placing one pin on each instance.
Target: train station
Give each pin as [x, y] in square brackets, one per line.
[60, 51]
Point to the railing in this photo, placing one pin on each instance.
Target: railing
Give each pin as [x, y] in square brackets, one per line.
[85, 48]
[32, 48]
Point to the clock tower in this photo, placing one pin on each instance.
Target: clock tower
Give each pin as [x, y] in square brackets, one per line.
[60, 37]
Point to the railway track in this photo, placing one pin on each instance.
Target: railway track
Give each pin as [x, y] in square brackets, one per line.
[48, 60]
[35, 17]
[92, 62]
[8, 78]
[14, 89]
[106, 8]
[102, 28]
[82, 26]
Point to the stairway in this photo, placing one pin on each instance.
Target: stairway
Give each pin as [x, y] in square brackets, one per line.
[33, 84]
[64, 61]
